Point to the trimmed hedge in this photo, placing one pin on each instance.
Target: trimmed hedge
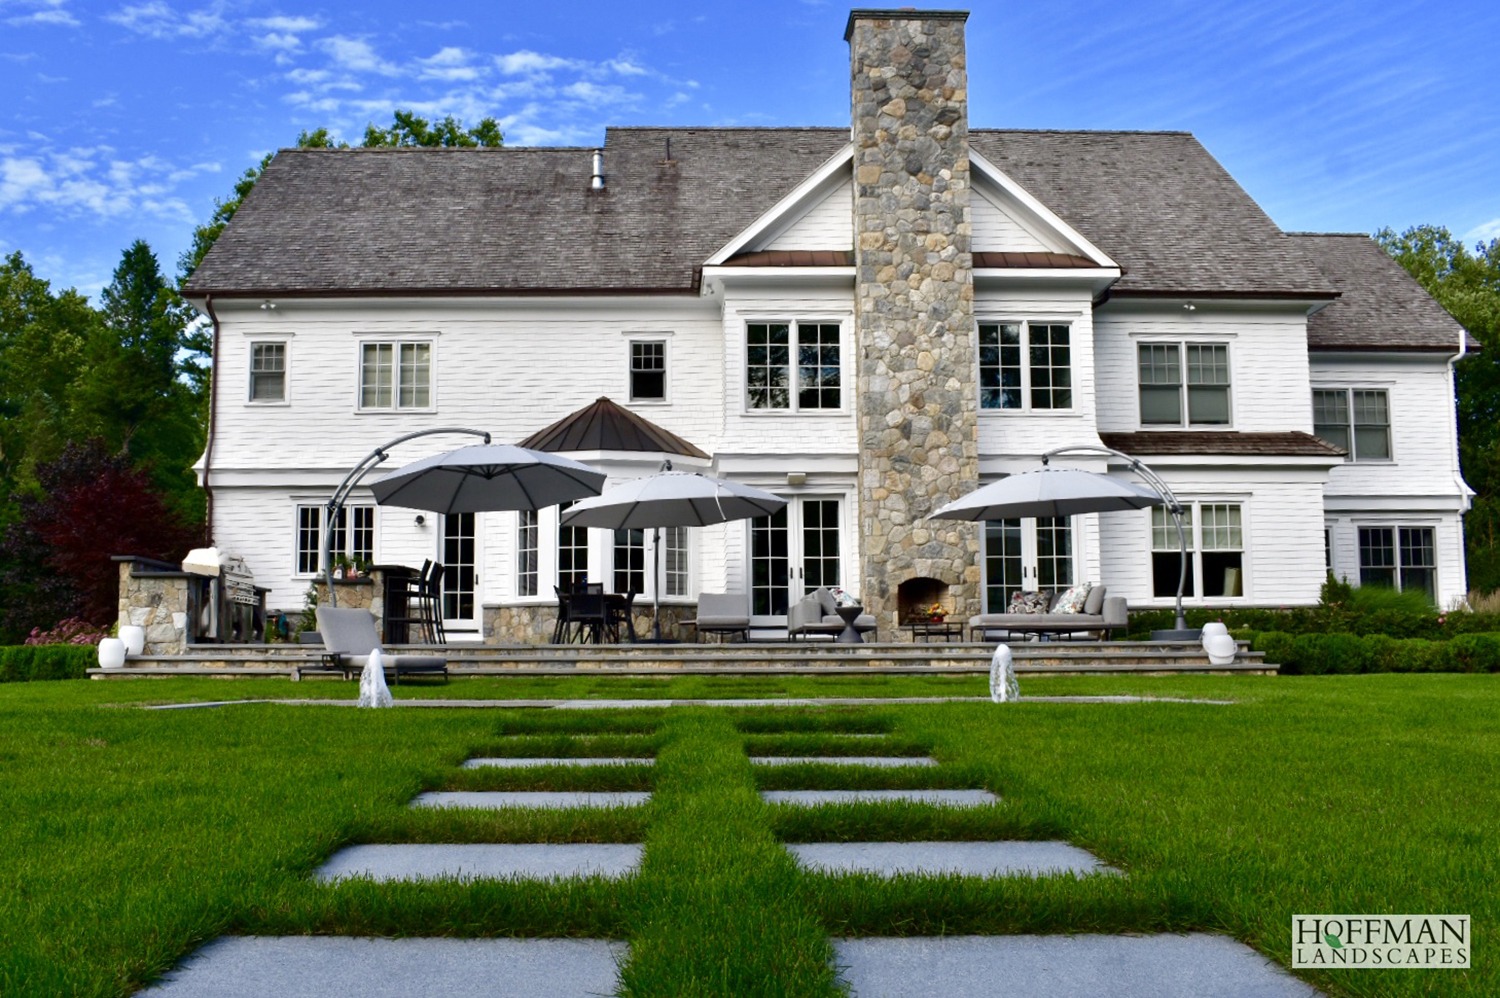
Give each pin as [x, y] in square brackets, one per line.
[1322, 619]
[26, 663]
[1325, 654]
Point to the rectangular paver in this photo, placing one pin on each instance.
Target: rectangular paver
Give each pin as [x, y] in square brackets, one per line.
[943, 798]
[501, 762]
[1083, 966]
[975, 859]
[482, 861]
[319, 966]
[882, 761]
[496, 799]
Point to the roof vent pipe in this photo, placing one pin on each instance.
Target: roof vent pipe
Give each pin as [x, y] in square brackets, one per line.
[597, 183]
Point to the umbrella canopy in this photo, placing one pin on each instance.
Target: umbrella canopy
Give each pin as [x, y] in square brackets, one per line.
[487, 477]
[672, 499]
[1049, 492]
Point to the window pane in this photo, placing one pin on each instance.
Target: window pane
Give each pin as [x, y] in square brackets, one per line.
[648, 371]
[1164, 529]
[1372, 429]
[375, 376]
[527, 536]
[1051, 376]
[1208, 383]
[1161, 405]
[675, 558]
[1000, 366]
[572, 554]
[1418, 561]
[1221, 527]
[768, 564]
[268, 372]
[1331, 417]
[630, 561]
[309, 550]
[416, 375]
[1377, 556]
[1054, 552]
[1208, 405]
[818, 374]
[768, 365]
[820, 543]
[1002, 563]
[363, 541]
[1159, 364]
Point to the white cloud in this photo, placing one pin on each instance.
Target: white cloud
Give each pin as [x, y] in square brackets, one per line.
[450, 65]
[44, 12]
[286, 25]
[528, 62]
[594, 94]
[157, 19]
[95, 181]
[1484, 231]
[357, 55]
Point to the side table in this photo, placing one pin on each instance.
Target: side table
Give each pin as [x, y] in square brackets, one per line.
[849, 636]
[928, 630]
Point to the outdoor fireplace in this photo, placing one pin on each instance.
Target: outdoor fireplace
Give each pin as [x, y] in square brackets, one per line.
[915, 599]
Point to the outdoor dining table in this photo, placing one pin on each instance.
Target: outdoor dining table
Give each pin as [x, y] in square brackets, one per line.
[616, 613]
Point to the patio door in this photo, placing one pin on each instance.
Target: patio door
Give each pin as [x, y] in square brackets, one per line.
[1028, 554]
[457, 551]
[792, 552]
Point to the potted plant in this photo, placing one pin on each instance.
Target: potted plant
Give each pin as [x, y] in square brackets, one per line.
[937, 613]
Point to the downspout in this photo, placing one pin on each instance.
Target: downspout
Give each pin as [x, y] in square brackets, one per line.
[1465, 494]
[213, 423]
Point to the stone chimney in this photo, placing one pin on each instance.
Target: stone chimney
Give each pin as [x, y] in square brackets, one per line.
[914, 305]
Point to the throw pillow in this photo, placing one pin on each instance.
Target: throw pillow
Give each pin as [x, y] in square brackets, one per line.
[1072, 600]
[1030, 602]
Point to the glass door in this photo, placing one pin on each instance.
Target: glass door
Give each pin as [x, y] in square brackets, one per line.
[792, 552]
[1026, 554]
[457, 549]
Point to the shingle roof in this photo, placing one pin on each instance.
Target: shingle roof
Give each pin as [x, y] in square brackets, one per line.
[606, 425]
[1160, 206]
[1292, 443]
[523, 220]
[1382, 306]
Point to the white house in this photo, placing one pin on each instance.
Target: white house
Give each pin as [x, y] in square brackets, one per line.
[869, 320]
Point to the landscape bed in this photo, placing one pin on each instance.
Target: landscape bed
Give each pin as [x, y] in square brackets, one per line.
[131, 837]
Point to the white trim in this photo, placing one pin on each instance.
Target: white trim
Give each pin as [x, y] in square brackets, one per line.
[783, 214]
[663, 339]
[286, 373]
[395, 341]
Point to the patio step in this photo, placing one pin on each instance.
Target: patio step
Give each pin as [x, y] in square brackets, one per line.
[1035, 657]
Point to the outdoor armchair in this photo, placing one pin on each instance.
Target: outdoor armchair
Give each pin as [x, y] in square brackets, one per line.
[722, 613]
[349, 635]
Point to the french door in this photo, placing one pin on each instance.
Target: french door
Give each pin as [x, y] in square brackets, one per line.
[1026, 554]
[457, 551]
[793, 552]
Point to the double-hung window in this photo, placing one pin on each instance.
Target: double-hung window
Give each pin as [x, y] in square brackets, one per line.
[648, 371]
[793, 366]
[1398, 558]
[1355, 419]
[630, 560]
[395, 374]
[1025, 365]
[353, 536]
[527, 537]
[1215, 538]
[268, 372]
[1183, 384]
[572, 554]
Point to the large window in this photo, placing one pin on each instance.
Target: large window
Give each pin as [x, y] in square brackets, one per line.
[527, 537]
[630, 561]
[395, 375]
[1216, 550]
[1183, 384]
[268, 372]
[1356, 419]
[793, 366]
[648, 371]
[572, 554]
[1399, 558]
[353, 536]
[1024, 365]
[675, 567]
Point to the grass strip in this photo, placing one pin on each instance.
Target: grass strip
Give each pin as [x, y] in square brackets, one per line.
[524, 778]
[905, 821]
[840, 744]
[720, 908]
[836, 776]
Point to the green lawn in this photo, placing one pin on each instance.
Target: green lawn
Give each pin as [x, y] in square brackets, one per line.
[129, 837]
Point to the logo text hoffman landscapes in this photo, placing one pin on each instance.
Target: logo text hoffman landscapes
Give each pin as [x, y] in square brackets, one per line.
[1369, 941]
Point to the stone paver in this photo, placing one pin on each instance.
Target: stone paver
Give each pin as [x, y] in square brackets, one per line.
[1082, 966]
[320, 966]
[880, 761]
[945, 798]
[975, 859]
[495, 799]
[482, 861]
[509, 763]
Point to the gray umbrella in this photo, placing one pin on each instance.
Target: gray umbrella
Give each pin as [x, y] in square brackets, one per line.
[670, 499]
[487, 477]
[1048, 492]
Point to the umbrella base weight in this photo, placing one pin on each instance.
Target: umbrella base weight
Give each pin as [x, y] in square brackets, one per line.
[1193, 634]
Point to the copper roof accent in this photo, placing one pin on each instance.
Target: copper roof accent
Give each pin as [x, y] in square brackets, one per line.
[1292, 443]
[792, 258]
[604, 425]
[1032, 260]
[1381, 306]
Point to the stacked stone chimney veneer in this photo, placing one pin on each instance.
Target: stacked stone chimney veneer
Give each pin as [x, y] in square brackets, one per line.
[914, 304]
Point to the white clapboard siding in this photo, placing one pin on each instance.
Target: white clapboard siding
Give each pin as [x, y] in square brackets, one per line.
[996, 231]
[827, 225]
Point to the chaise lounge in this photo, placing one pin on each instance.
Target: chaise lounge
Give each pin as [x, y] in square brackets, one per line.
[349, 635]
[1099, 615]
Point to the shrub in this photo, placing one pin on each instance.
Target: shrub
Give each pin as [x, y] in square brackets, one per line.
[27, 663]
[1475, 652]
[72, 631]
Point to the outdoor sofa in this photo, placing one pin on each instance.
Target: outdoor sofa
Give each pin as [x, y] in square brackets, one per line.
[1100, 614]
[349, 636]
[816, 615]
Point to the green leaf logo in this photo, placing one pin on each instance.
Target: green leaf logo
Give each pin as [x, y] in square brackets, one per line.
[1332, 940]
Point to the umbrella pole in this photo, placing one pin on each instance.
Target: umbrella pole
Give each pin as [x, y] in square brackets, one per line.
[656, 584]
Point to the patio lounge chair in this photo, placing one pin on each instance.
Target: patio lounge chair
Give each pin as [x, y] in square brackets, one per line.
[721, 613]
[349, 635]
[816, 615]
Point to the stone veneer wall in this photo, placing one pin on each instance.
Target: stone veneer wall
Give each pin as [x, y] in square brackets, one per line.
[158, 602]
[532, 624]
[914, 304]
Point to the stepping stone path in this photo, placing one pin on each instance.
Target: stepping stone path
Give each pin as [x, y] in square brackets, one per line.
[971, 859]
[873, 761]
[509, 763]
[496, 799]
[942, 798]
[482, 861]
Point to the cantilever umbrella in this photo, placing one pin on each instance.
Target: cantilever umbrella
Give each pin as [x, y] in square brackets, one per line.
[670, 499]
[486, 477]
[1048, 492]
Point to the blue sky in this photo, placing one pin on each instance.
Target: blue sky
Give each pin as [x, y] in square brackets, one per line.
[125, 120]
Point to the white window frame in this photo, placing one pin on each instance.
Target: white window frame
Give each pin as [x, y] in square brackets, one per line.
[1184, 386]
[397, 346]
[358, 518]
[1351, 426]
[1025, 350]
[677, 564]
[794, 386]
[528, 553]
[251, 372]
[1162, 539]
[647, 340]
[1398, 568]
